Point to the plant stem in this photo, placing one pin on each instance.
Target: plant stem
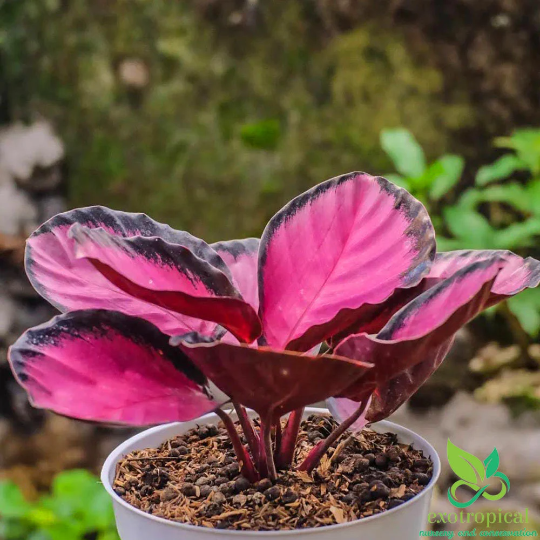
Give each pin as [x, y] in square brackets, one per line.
[247, 428]
[261, 461]
[246, 464]
[266, 430]
[318, 451]
[285, 451]
[278, 437]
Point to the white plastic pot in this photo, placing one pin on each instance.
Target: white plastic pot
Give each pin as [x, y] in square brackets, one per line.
[404, 522]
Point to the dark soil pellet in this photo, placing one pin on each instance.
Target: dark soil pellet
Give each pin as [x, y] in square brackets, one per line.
[422, 478]
[213, 509]
[381, 461]
[205, 491]
[169, 494]
[361, 465]
[232, 470]
[393, 454]
[272, 493]
[227, 488]
[147, 490]
[370, 458]
[241, 484]
[421, 465]
[264, 484]
[289, 496]
[220, 480]
[379, 490]
[219, 498]
[188, 490]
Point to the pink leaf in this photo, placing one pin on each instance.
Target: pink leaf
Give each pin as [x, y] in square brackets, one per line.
[343, 408]
[69, 283]
[371, 319]
[419, 330]
[347, 243]
[241, 256]
[272, 383]
[168, 276]
[516, 274]
[390, 394]
[447, 272]
[109, 367]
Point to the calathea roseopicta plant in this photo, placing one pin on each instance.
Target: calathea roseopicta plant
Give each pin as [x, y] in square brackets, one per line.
[158, 326]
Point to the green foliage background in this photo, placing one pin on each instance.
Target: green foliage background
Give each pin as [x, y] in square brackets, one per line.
[77, 508]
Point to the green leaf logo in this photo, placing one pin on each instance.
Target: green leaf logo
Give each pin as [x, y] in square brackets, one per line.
[492, 463]
[473, 473]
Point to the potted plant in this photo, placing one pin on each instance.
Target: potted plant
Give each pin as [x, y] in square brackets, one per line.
[159, 327]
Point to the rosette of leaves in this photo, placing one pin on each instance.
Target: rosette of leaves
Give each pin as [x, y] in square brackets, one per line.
[159, 326]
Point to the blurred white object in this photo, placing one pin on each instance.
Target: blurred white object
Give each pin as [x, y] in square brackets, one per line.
[23, 148]
[18, 213]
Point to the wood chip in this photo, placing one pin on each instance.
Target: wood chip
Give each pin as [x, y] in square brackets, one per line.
[338, 514]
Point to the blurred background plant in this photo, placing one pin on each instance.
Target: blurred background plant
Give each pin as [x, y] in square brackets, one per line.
[502, 211]
[210, 115]
[77, 508]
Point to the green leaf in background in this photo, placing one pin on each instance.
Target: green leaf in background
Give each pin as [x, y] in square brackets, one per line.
[108, 535]
[64, 531]
[41, 517]
[517, 235]
[452, 169]
[15, 529]
[470, 199]
[500, 169]
[404, 150]
[424, 182]
[526, 144]
[533, 196]
[466, 466]
[526, 307]
[76, 484]
[470, 226]
[12, 501]
[263, 135]
[39, 535]
[492, 463]
[449, 244]
[77, 508]
[78, 494]
[510, 193]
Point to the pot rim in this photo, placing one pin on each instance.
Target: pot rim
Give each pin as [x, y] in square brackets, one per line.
[385, 425]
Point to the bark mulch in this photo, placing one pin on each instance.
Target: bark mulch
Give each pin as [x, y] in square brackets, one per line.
[194, 478]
